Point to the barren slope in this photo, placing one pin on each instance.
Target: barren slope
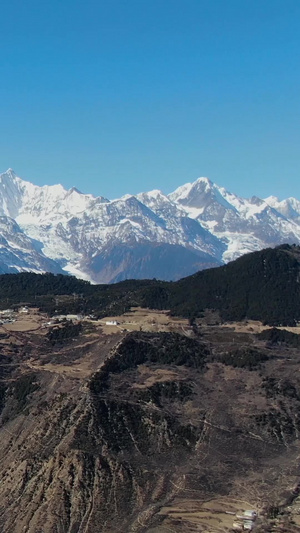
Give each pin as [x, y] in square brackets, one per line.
[140, 431]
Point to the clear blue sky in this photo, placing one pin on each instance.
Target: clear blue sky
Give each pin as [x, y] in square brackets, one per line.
[120, 96]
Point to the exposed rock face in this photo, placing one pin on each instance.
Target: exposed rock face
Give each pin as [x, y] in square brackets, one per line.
[243, 224]
[144, 236]
[91, 459]
[146, 261]
[164, 415]
[84, 235]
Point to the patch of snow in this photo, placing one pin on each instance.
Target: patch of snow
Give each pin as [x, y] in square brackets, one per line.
[77, 272]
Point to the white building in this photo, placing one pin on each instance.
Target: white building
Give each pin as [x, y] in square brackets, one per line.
[237, 526]
[248, 525]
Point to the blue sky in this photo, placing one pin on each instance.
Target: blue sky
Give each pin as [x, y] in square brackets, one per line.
[122, 96]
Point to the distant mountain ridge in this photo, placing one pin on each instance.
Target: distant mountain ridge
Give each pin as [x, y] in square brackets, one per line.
[198, 226]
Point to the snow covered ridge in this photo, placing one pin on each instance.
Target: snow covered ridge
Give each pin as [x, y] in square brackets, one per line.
[197, 226]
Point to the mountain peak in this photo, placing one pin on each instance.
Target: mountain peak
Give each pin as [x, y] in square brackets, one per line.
[75, 230]
[74, 189]
[203, 180]
[197, 194]
[272, 200]
[10, 173]
[155, 193]
[184, 191]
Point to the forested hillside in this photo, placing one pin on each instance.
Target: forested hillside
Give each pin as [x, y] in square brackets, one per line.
[261, 286]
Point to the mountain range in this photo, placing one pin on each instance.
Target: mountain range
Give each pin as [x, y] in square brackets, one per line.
[148, 235]
[145, 421]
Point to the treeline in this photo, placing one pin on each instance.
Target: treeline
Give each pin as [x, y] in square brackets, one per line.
[246, 357]
[66, 294]
[64, 333]
[28, 285]
[260, 286]
[275, 336]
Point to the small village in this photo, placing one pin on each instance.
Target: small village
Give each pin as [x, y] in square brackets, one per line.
[8, 316]
[245, 521]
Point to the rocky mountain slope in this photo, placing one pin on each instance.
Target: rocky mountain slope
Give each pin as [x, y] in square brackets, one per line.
[147, 431]
[148, 235]
[153, 422]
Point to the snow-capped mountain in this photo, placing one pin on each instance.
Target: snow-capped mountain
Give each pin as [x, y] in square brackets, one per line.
[197, 226]
[243, 225]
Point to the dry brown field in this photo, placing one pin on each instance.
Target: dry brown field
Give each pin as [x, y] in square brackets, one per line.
[138, 319]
